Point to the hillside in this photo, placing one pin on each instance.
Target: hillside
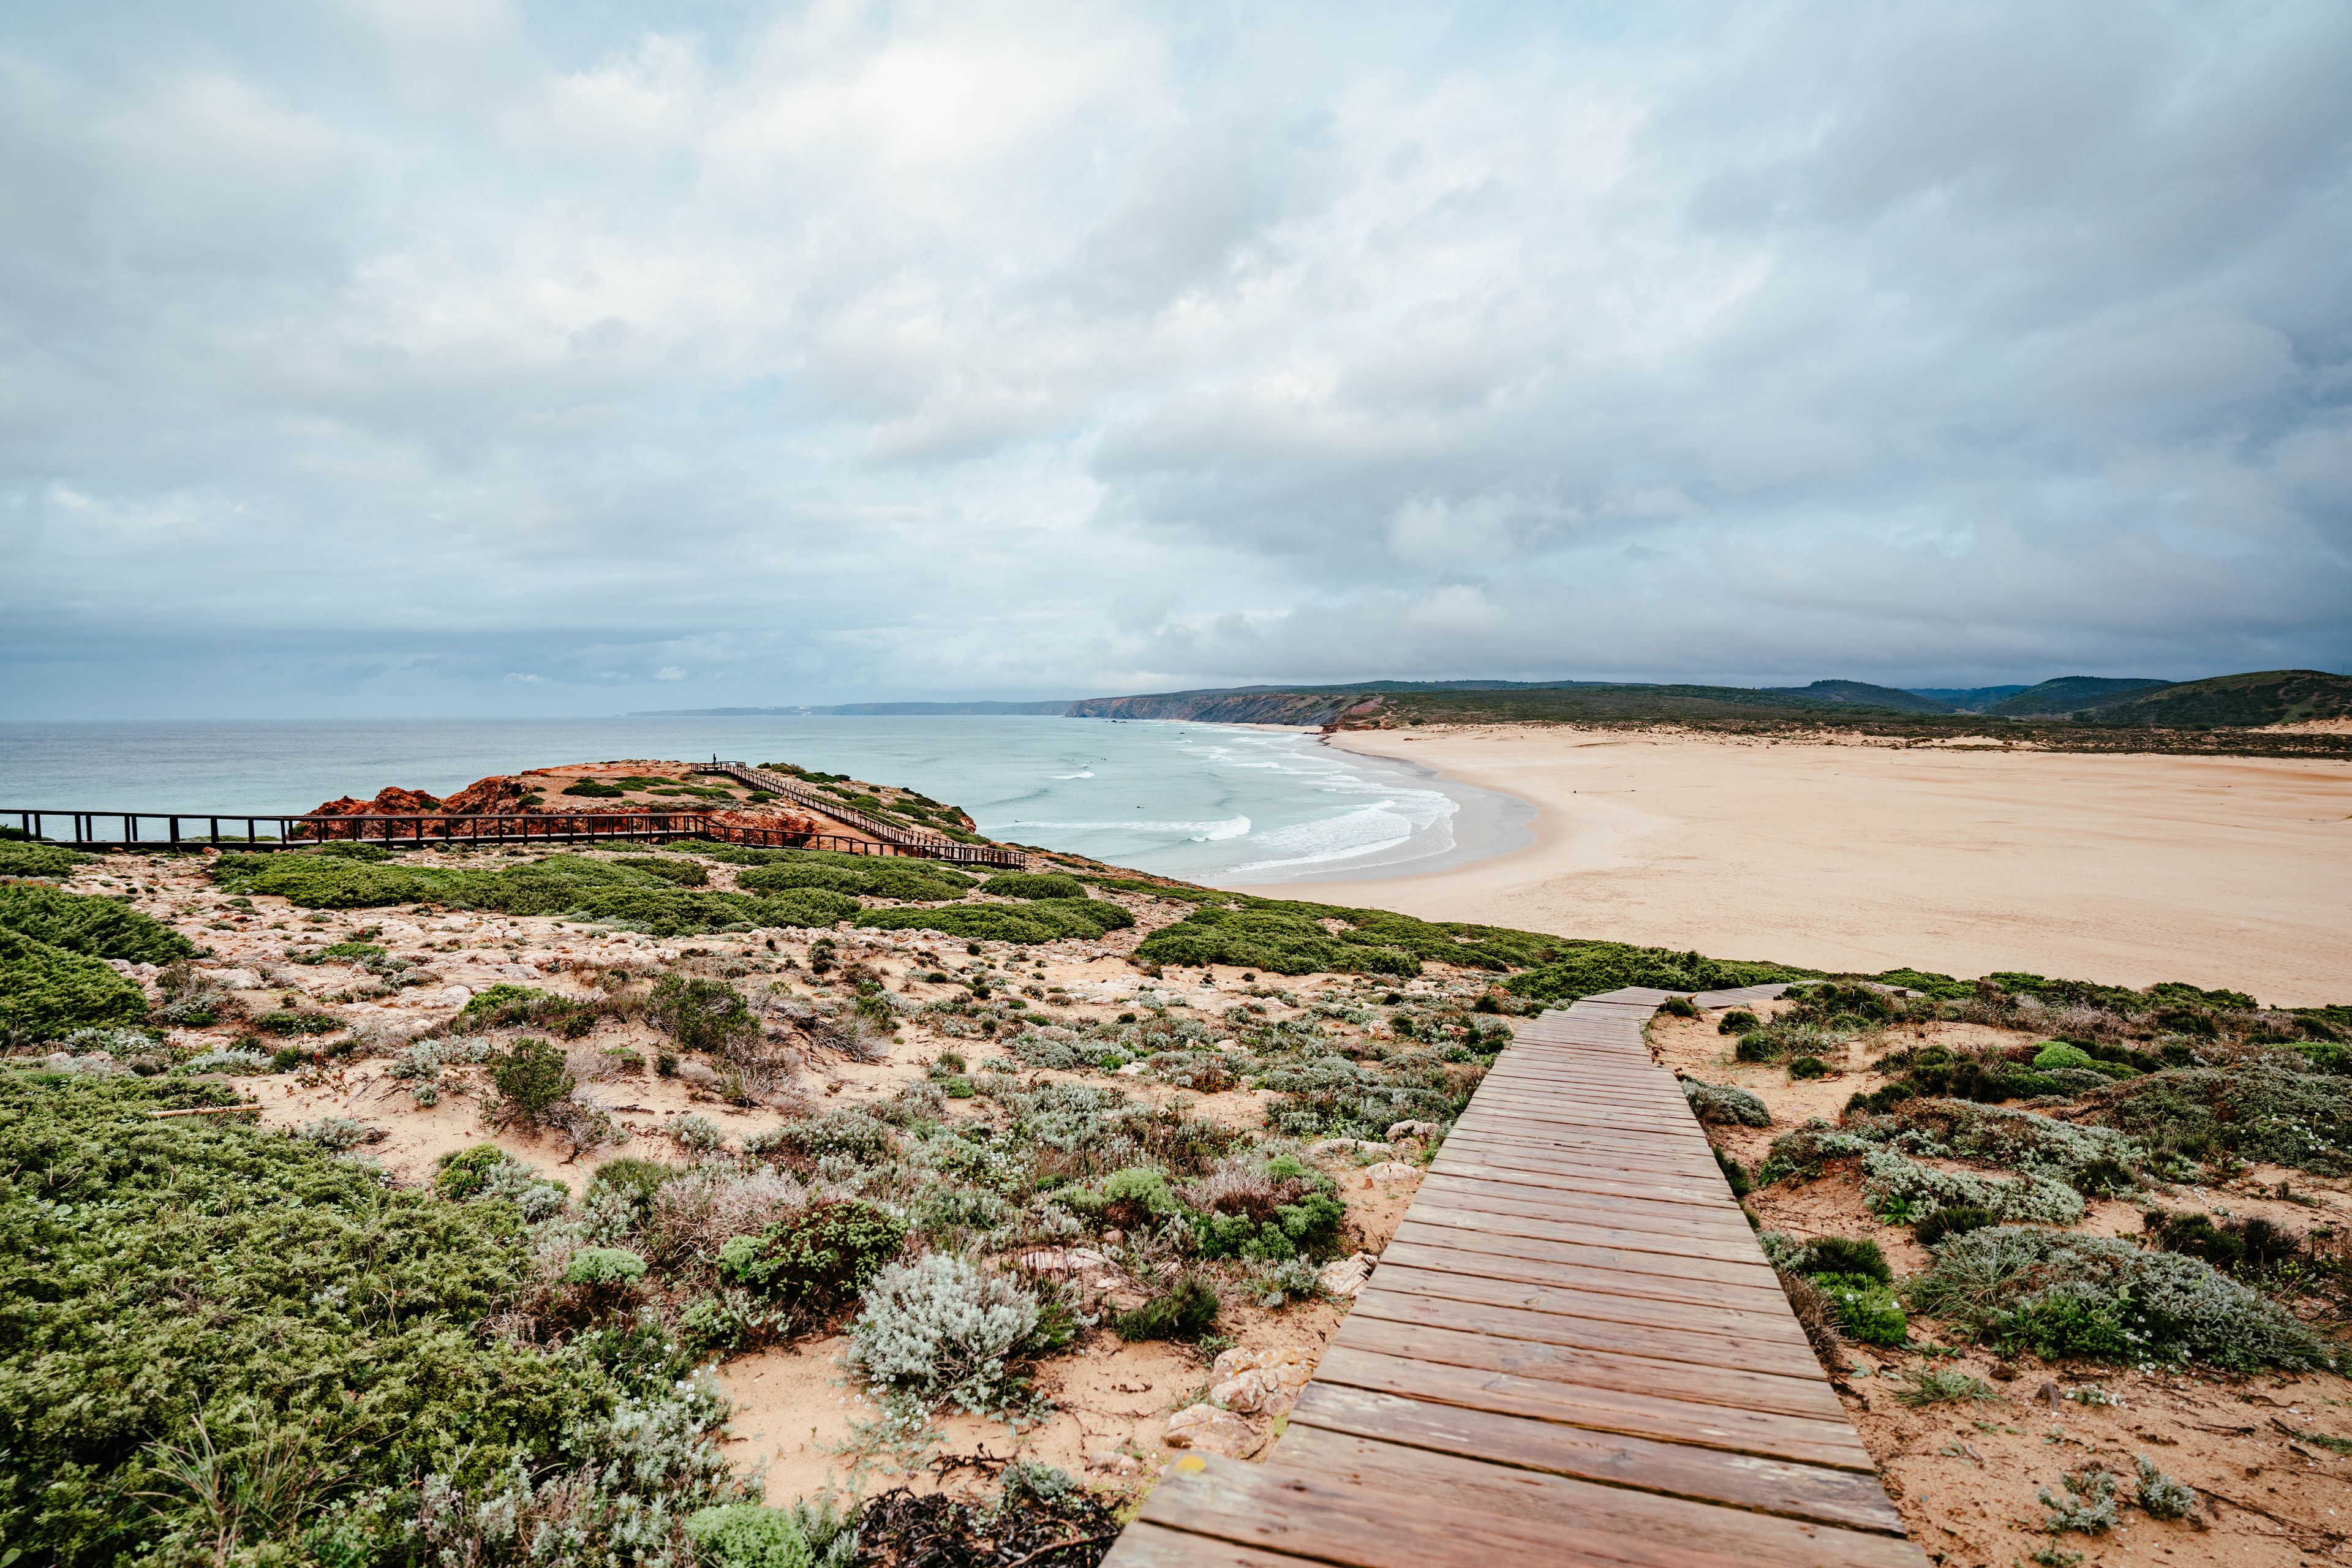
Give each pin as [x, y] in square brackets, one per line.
[1862, 694]
[2230, 702]
[1966, 699]
[2070, 694]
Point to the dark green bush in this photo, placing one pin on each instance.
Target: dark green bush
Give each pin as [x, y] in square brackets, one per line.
[1589, 968]
[530, 1077]
[297, 1021]
[818, 1260]
[1957, 1220]
[1035, 885]
[1845, 1254]
[30, 858]
[702, 1014]
[462, 1173]
[504, 1005]
[2251, 1244]
[1678, 1007]
[100, 928]
[677, 871]
[47, 992]
[2254, 1110]
[1043, 920]
[1285, 937]
[1185, 1311]
[199, 1297]
[1739, 1021]
[1808, 1068]
[639, 1180]
[594, 790]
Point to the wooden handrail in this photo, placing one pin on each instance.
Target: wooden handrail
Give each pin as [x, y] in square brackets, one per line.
[931, 845]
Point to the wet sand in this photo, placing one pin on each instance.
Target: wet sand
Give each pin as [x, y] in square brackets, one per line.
[2219, 871]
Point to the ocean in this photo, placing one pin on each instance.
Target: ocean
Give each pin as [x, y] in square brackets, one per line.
[1225, 804]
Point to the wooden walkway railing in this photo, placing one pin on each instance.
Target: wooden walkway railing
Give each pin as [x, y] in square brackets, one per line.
[1573, 1352]
[929, 845]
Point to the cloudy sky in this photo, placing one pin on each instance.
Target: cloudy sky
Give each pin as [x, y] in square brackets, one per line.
[468, 356]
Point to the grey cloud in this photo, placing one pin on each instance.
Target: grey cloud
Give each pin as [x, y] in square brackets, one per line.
[378, 353]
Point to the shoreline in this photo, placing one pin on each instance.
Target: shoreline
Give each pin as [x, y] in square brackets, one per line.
[2124, 869]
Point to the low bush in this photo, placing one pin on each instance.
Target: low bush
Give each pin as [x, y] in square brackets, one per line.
[95, 927]
[530, 1077]
[855, 876]
[264, 1355]
[1284, 936]
[1866, 1308]
[1725, 1104]
[1900, 1190]
[604, 1268]
[31, 857]
[702, 1014]
[1041, 920]
[1589, 968]
[1957, 1219]
[2059, 1294]
[1808, 1068]
[1185, 1311]
[819, 1258]
[1739, 1021]
[506, 1005]
[2254, 1110]
[1948, 1387]
[1035, 885]
[2250, 1245]
[676, 869]
[942, 1330]
[46, 992]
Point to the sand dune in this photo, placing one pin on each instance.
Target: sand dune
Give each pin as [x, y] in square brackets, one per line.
[2216, 870]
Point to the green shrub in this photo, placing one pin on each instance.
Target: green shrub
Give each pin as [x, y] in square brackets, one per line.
[1035, 885]
[702, 1014]
[1739, 1021]
[47, 993]
[2249, 1245]
[1957, 1220]
[31, 857]
[1284, 936]
[462, 1172]
[941, 1330]
[1866, 1308]
[1589, 968]
[855, 875]
[299, 1023]
[506, 1005]
[530, 1077]
[1678, 1007]
[1725, 1104]
[637, 1180]
[603, 1266]
[2255, 1110]
[2059, 1054]
[1808, 1068]
[677, 871]
[99, 928]
[2060, 1294]
[748, 1535]
[1043, 920]
[1185, 1311]
[197, 1297]
[1858, 1256]
[594, 790]
[1900, 1189]
[817, 1259]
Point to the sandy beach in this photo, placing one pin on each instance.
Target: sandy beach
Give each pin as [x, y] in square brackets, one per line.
[2124, 869]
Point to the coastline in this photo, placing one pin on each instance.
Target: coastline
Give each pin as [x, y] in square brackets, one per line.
[2219, 871]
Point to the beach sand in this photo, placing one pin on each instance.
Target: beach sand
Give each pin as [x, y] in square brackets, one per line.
[2125, 868]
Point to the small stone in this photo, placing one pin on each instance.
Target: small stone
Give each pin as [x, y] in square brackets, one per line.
[1209, 1431]
[1388, 1171]
[1345, 1275]
[1132, 1069]
[238, 979]
[455, 996]
[1402, 1129]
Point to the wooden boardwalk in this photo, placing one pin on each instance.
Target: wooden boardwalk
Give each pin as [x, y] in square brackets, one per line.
[1573, 1352]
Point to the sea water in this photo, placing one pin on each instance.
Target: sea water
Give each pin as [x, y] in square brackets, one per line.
[1209, 803]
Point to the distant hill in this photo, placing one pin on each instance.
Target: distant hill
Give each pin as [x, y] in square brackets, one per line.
[1862, 694]
[2070, 694]
[2237, 701]
[1966, 699]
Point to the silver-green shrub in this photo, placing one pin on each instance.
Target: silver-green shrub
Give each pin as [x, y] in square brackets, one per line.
[1900, 1189]
[942, 1330]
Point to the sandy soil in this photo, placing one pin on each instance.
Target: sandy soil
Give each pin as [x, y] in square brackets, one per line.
[2130, 869]
[1965, 1477]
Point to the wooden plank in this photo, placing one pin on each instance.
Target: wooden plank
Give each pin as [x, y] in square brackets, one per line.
[1427, 1211]
[1598, 1269]
[1686, 1193]
[1767, 1320]
[1417, 1509]
[1571, 1161]
[1598, 1208]
[1641, 1158]
[1731, 1387]
[1614, 1336]
[1767, 1486]
[1801, 1439]
[1147, 1545]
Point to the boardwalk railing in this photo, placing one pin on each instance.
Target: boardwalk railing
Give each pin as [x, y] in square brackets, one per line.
[1573, 1353]
[929, 845]
[191, 829]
